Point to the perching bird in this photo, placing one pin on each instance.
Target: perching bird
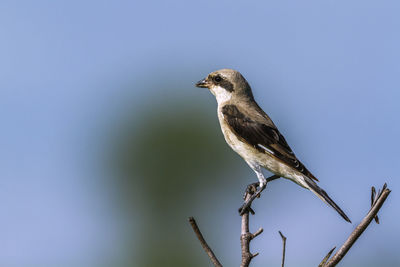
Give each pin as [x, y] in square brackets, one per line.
[251, 133]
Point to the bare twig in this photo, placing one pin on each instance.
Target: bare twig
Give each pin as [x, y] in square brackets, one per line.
[376, 205]
[203, 242]
[284, 248]
[246, 236]
[373, 200]
[326, 257]
[377, 200]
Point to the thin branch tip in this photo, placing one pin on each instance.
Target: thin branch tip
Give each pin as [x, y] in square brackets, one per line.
[203, 242]
[282, 236]
[323, 262]
[283, 247]
[257, 233]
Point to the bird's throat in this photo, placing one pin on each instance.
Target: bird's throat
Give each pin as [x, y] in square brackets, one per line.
[221, 94]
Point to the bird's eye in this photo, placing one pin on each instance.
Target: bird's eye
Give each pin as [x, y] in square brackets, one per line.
[217, 78]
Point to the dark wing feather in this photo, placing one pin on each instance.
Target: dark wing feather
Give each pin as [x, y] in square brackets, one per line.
[260, 135]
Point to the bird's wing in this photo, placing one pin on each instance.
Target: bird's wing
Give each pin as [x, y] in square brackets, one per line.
[265, 138]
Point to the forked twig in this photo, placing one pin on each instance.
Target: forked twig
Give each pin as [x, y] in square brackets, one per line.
[284, 248]
[377, 203]
[326, 257]
[374, 197]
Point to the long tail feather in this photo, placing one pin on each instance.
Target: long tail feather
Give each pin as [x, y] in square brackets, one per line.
[324, 197]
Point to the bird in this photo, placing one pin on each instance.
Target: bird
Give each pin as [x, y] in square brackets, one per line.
[250, 132]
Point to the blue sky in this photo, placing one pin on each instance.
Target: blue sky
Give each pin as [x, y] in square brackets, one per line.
[326, 71]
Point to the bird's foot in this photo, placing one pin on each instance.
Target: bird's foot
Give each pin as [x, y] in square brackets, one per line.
[251, 191]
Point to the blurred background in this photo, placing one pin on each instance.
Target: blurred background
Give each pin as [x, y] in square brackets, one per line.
[107, 147]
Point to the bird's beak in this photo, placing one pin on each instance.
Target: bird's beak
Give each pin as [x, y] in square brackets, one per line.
[202, 84]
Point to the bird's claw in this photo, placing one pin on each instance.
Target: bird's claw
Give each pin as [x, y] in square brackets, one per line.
[250, 189]
[254, 193]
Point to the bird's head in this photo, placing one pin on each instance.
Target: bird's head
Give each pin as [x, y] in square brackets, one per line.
[225, 84]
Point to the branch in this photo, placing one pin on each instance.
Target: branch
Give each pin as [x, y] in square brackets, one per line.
[323, 262]
[203, 242]
[284, 248]
[377, 203]
[246, 236]
[373, 200]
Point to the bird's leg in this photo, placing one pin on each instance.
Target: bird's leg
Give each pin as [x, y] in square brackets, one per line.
[251, 189]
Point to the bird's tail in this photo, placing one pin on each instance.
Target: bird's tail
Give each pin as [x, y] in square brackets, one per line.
[324, 197]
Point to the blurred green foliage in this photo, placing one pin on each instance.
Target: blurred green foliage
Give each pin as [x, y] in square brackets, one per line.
[163, 157]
